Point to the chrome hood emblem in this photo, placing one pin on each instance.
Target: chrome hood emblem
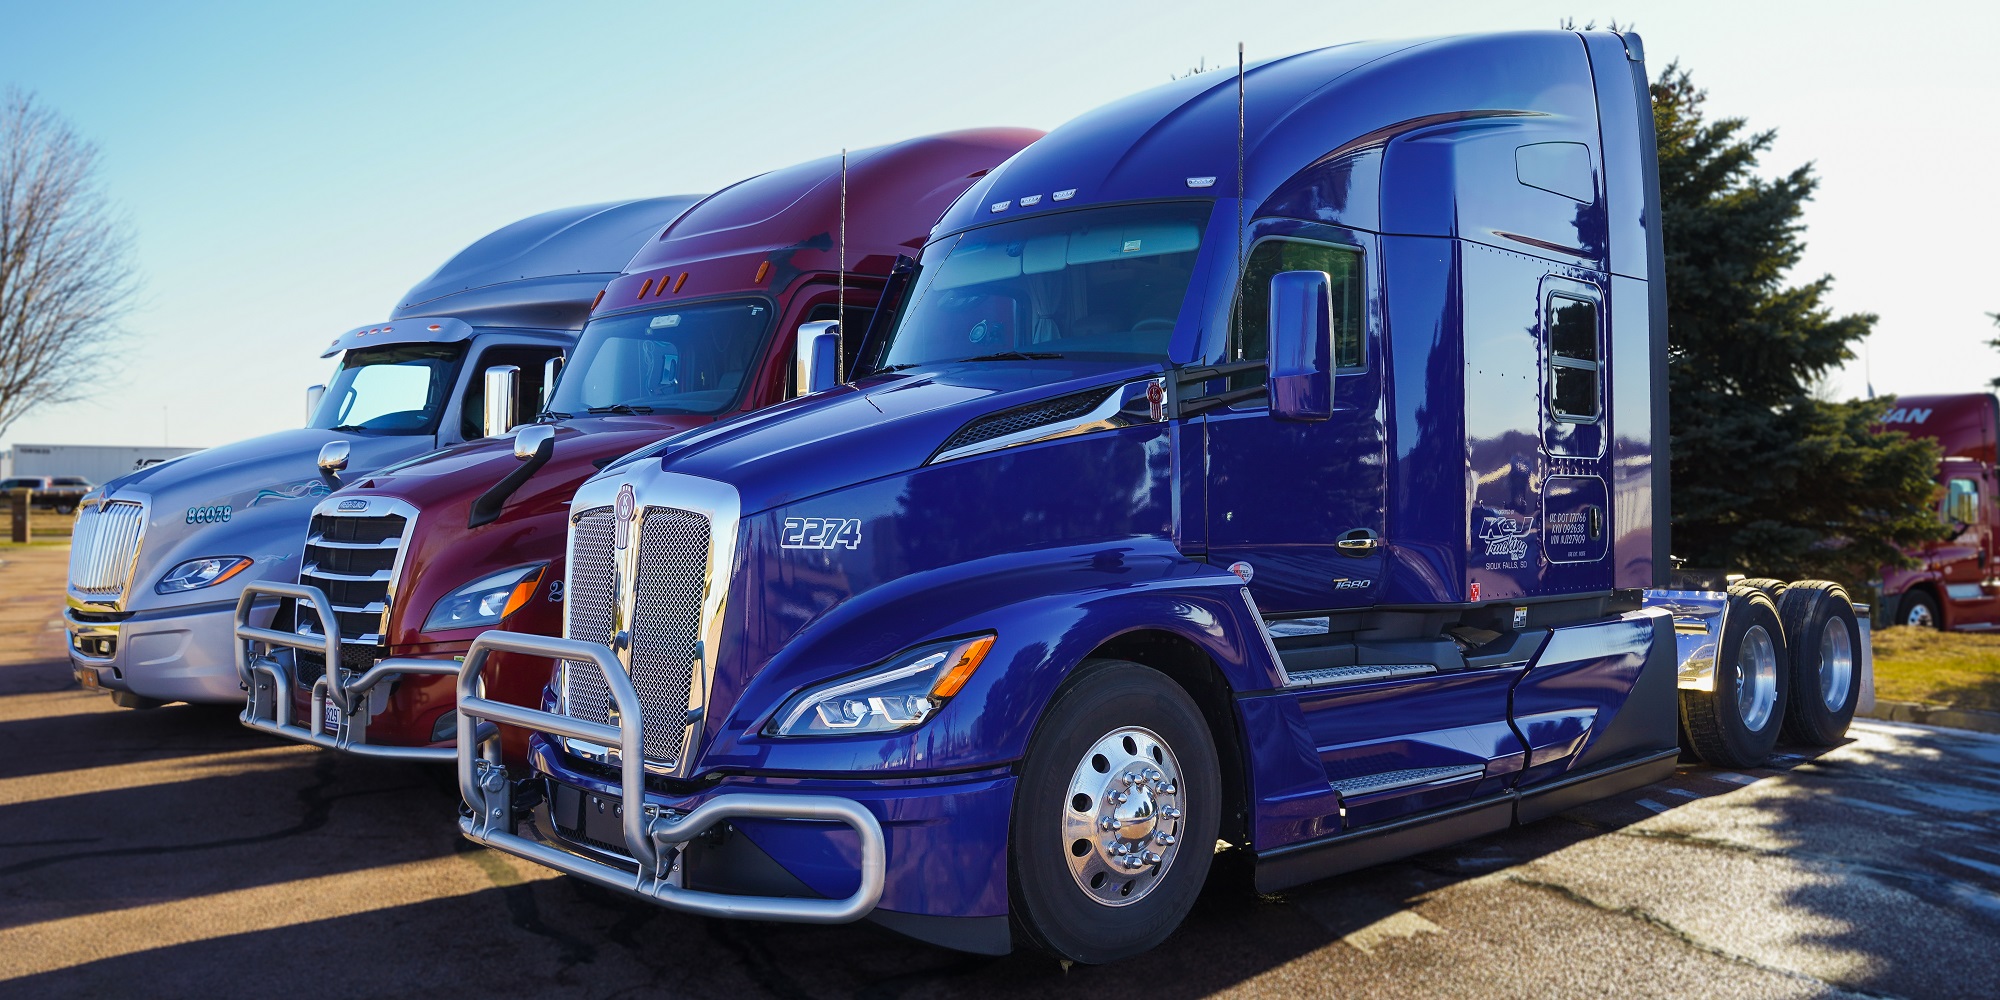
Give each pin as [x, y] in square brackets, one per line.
[621, 523]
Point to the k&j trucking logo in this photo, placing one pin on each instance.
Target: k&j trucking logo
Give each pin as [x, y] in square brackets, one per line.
[1506, 539]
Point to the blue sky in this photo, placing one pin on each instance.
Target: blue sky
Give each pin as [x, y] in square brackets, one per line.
[291, 169]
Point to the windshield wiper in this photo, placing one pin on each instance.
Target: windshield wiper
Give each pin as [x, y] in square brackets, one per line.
[1013, 356]
[892, 368]
[553, 415]
[620, 408]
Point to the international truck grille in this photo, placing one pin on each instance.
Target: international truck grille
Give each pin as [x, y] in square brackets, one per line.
[666, 627]
[105, 543]
[353, 560]
[1021, 418]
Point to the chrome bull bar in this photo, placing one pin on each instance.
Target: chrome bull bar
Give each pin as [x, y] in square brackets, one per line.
[653, 835]
[269, 680]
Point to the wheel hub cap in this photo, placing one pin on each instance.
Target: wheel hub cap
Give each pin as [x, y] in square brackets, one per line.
[1756, 678]
[1836, 664]
[1122, 817]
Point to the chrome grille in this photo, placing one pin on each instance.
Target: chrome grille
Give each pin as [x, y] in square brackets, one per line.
[666, 620]
[588, 595]
[354, 560]
[666, 623]
[105, 543]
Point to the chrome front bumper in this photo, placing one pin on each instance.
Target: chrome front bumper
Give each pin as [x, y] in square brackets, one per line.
[653, 835]
[176, 654]
[339, 692]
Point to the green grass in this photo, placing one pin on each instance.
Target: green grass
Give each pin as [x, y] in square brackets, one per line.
[1959, 669]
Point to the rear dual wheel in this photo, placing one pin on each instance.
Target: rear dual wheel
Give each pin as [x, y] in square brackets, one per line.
[1737, 724]
[1825, 662]
[1115, 815]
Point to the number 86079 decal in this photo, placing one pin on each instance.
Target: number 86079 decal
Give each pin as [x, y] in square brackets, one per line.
[821, 533]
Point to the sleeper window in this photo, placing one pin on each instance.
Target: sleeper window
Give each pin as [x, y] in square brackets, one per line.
[1574, 367]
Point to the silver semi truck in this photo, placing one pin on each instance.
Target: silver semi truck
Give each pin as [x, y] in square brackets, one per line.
[159, 556]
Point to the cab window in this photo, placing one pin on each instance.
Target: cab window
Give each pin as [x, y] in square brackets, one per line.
[1250, 335]
[1961, 502]
[527, 402]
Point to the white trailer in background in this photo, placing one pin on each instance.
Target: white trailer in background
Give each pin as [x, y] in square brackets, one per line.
[95, 462]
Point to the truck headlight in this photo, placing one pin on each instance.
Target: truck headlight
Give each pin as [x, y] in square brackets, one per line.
[905, 692]
[486, 600]
[198, 573]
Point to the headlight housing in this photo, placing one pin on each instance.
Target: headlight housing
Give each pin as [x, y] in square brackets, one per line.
[487, 600]
[907, 690]
[198, 573]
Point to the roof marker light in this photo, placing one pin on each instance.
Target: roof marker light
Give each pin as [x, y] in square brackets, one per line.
[1201, 182]
[678, 282]
[439, 326]
[646, 288]
[1000, 206]
[1030, 200]
[762, 270]
[1064, 195]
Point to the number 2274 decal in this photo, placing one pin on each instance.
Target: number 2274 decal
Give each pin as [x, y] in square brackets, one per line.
[820, 533]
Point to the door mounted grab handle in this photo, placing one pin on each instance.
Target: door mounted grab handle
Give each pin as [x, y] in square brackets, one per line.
[1358, 542]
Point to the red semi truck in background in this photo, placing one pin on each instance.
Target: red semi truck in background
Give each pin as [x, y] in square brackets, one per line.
[1954, 586]
[415, 561]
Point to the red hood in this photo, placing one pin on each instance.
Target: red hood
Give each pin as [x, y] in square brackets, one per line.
[441, 554]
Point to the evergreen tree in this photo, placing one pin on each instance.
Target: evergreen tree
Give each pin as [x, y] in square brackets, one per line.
[1767, 479]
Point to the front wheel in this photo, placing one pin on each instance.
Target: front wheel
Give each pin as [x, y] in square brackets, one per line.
[1919, 610]
[1115, 815]
[1737, 724]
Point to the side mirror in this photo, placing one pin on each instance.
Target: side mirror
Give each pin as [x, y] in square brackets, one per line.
[313, 395]
[530, 439]
[818, 356]
[333, 457]
[1300, 363]
[550, 369]
[503, 392]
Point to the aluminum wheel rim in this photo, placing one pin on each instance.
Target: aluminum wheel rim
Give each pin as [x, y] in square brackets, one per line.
[1121, 816]
[1836, 664]
[1919, 615]
[1756, 678]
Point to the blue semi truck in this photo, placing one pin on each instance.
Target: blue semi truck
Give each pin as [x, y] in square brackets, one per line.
[1274, 459]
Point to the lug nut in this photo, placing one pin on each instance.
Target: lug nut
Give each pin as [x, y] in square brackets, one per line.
[1170, 812]
[1166, 788]
[1108, 824]
[1164, 839]
[1129, 778]
[1152, 858]
[1121, 797]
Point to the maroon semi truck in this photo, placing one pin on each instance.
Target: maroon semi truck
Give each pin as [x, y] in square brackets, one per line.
[1955, 585]
[413, 562]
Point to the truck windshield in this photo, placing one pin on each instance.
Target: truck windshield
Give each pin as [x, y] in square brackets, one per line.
[687, 359]
[393, 389]
[1103, 284]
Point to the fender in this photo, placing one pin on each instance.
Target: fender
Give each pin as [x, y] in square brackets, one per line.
[1049, 609]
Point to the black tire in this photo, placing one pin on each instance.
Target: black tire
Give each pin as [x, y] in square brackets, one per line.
[1719, 723]
[1052, 907]
[1770, 588]
[1824, 638]
[1918, 608]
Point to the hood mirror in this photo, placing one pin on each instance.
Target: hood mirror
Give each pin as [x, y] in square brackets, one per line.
[503, 391]
[333, 457]
[530, 439]
[1300, 364]
[313, 395]
[818, 356]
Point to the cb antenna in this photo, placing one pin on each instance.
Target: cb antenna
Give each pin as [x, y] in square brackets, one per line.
[840, 307]
[1240, 275]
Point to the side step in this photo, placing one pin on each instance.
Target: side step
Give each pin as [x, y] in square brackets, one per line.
[1386, 781]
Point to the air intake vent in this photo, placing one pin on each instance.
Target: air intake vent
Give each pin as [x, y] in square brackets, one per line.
[1021, 418]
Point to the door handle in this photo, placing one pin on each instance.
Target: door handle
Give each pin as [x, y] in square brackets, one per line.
[1359, 542]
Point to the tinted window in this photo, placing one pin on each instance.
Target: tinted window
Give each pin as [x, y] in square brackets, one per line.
[527, 401]
[685, 359]
[1250, 337]
[1100, 283]
[1574, 368]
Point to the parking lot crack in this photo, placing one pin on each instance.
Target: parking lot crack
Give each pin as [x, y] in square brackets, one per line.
[1659, 923]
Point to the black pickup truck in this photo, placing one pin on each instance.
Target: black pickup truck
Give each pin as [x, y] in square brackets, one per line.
[60, 493]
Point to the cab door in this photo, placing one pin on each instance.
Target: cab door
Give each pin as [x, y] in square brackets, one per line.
[1964, 561]
[1296, 508]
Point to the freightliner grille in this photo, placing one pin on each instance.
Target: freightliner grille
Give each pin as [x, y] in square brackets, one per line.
[106, 542]
[666, 621]
[352, 559]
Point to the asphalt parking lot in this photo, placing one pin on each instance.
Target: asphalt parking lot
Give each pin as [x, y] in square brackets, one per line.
[174, 853]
